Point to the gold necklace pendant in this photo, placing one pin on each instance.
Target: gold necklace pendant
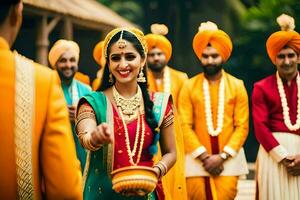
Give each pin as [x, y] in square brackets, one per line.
[128, 106]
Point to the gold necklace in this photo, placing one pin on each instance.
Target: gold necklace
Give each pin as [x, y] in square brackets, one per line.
[128, 106]
[132, 153]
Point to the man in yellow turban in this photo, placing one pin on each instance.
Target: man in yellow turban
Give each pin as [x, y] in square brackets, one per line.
[162, 78]
[97, 54]
[276, 117]
[37, 153]
[64, 57]
[214, 113]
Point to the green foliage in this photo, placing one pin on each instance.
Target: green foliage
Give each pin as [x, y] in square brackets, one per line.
[128, 9]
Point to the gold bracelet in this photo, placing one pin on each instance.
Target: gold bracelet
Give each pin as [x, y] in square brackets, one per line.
[84, 115]
[164, 166]
[160, 173]
[87, 143]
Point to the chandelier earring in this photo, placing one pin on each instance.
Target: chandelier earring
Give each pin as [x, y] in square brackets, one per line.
[141, 78]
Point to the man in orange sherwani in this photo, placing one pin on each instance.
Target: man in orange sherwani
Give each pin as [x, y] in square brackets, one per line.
[162, 78]
[37, 152]
[214, 113]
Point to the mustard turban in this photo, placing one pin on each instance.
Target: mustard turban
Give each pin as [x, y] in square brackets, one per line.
[97, 53]
[285, 37]
[59, 48]
[210, 34]
[156, 39]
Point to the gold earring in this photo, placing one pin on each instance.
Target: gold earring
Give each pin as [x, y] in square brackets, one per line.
[111, 79]
[141, 78]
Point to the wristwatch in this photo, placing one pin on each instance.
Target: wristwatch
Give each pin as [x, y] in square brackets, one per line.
[224, 155]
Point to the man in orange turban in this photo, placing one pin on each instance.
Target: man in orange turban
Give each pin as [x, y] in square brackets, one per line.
[97, 54]
[37, 153]
[162, 78]
[276, 117]
[214, 114]
[64, 57]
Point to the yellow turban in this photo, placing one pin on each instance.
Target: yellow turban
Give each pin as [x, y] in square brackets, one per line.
[285, 37]
[210, 34]
[97, 53]
[156, 39]
[59, 48]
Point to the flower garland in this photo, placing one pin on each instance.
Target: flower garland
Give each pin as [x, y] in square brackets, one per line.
[285, 108]
[208, 111]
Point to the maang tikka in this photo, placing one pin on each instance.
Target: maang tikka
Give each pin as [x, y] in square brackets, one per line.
[121, 42]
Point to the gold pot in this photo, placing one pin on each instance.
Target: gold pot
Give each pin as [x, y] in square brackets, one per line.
[134, 180]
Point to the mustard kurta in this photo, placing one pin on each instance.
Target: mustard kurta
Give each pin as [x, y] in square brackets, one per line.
[55, 168]
[235, 126]
[174, 182]
[177, 78]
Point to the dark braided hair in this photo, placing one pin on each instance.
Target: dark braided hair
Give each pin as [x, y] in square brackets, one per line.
[148, 103]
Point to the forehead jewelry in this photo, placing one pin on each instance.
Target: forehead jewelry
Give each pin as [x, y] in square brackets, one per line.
[121, 42]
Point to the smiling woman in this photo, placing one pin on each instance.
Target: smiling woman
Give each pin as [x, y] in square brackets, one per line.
[121, 124]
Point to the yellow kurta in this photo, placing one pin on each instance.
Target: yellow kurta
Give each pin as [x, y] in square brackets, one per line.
[54, 162]
[235, 126]
[174, 182]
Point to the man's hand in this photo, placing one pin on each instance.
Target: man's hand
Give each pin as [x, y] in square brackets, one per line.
[286, 161]
[213, 164]
[294, 166]
[72, 113]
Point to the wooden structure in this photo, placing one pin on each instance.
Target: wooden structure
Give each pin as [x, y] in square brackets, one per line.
[84, 13]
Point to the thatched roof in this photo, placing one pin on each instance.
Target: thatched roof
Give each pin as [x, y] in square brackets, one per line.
[85, 10]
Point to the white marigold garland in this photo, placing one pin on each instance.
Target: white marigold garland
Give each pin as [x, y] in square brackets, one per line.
[285, 108]
[208, 111]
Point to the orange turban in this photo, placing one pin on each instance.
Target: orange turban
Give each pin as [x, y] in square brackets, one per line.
[156, 39]
[210, 34]
[285, 37]
[97, 53]
[59, 48]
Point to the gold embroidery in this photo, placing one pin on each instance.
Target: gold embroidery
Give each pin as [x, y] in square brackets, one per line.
[86, 169]
[24, 116]
[84, 115]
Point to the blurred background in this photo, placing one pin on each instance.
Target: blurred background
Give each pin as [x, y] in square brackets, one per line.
[248, 22]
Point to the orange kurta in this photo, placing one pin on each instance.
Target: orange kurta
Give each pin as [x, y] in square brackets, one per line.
[54, 162]
[236, 114]
[174, 182]
[235, 126]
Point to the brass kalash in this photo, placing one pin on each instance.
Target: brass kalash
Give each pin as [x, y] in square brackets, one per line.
[133, 180]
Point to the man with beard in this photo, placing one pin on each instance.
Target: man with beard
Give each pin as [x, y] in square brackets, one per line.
[214, 113]
[37, 153]
[276, 117]
[162, 78]
[64, 57]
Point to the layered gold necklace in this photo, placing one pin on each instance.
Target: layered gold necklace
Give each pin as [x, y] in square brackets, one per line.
[127, 107]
